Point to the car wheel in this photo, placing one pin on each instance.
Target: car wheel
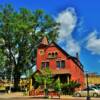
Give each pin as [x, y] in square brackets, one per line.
[78, 94]
[95, 94]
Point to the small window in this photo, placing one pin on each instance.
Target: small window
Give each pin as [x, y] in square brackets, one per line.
[60, 64]
[41, 52]
[45, 65]
[56, 54]
[49, 55]
[52, 54]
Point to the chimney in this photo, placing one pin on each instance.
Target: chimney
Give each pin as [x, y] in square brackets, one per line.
[77, 55]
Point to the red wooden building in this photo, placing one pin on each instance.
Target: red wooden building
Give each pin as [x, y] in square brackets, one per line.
[61, 64]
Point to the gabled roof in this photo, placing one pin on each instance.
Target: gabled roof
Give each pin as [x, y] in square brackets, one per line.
[74, 59]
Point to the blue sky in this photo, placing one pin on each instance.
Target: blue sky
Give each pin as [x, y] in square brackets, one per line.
[80, 26]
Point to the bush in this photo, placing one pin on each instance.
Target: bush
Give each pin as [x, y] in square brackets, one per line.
[69, 88]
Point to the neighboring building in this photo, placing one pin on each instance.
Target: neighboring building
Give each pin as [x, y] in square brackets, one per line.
[93, 78]
[60, 63]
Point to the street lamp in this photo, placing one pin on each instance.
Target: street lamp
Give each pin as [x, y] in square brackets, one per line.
[88, 96]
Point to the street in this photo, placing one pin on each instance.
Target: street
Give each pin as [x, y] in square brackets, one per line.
[20, 96]
[39, 98]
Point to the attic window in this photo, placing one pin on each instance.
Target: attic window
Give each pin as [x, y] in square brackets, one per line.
[49, 55]
[52, 55]
[41, 52]
[56, 54]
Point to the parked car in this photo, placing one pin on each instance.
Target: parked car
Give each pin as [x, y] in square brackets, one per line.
[95, 87]
[92, 92]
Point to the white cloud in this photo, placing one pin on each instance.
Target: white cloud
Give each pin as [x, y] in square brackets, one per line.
[72, 46]
[68, 22]
[93, 43]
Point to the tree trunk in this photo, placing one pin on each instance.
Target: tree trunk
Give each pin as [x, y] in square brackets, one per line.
[17, 80]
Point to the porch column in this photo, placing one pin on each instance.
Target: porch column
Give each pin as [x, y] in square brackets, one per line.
[68, 79]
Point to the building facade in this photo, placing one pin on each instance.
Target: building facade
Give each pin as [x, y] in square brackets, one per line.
[61, 64]
[93, 78]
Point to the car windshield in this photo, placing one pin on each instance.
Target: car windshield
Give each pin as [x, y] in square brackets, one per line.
[91, 89]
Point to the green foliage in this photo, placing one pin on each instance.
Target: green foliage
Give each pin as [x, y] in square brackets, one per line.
[44, 76]
[2, 60]
[22, 32]
[57, 85]
[69, 88]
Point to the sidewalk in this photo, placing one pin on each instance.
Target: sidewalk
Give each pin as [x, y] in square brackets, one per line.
[21, 94]
[8, 95]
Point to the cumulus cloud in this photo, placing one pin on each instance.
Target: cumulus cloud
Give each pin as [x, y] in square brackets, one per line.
[93, 43]
[68, 22]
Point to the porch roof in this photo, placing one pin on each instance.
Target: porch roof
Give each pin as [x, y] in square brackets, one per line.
[60, 71]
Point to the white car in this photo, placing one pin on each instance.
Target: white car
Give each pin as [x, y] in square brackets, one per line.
[92, 92]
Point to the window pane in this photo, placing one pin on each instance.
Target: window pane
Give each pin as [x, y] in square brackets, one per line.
[56, 54]
[62, 63]
[49, 55]
[47, 64]
[43, 65]
[58, 64]
[41, 52]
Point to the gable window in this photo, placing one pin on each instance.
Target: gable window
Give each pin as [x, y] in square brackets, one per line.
[49, 55]
[52, 54]
[45, 65]
[42, 52]
[60, 64]
[56, 54]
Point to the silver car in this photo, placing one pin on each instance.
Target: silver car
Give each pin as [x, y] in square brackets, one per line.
[92, 92]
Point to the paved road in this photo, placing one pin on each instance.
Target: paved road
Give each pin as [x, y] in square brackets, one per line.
[35, 98]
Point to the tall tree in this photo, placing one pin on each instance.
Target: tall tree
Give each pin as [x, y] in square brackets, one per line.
[21, 32]
[2, 61]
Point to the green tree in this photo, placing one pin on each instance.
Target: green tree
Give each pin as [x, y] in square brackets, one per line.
[44, 78]
[57, 85]
[2, 61]
[22, 32]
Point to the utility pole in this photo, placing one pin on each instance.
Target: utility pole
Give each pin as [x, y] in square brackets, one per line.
[88, 96]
